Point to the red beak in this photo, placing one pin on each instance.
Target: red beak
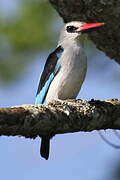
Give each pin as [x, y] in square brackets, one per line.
[90, 25]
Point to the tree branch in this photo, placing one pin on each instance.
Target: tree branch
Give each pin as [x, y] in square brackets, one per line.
[106, 38]
[59, 117]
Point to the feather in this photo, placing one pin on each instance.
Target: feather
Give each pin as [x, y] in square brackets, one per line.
[52, 67]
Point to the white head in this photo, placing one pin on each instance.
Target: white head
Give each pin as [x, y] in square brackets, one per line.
[73, 30]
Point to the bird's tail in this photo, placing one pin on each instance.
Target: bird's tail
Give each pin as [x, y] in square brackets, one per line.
[45, 146]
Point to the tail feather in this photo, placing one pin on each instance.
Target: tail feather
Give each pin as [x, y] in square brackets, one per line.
[45, 146]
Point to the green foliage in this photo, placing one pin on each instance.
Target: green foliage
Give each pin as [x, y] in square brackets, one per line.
[10, 69]
[29, 31]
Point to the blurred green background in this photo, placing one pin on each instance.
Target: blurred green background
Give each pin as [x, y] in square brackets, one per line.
[24, 30]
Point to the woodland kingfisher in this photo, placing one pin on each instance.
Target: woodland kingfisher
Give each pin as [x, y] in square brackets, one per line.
[64, 70]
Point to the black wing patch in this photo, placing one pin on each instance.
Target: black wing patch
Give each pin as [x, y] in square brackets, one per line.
[49, 67]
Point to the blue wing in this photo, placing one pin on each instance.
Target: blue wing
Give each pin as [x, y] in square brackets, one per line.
[51, 68]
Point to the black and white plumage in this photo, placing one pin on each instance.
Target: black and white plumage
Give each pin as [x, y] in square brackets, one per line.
[52, 67]
[64, 71]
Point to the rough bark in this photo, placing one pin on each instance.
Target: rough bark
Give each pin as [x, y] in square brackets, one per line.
[106, 38]
[59, 117]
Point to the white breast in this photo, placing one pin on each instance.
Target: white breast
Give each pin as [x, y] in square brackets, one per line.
[68, 81]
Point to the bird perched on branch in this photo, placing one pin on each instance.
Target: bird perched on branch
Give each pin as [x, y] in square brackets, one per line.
[64, 71]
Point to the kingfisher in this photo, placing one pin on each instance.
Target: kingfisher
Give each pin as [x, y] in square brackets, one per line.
[64, 70]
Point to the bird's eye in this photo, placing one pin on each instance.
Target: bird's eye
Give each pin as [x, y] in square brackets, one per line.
[71, 29]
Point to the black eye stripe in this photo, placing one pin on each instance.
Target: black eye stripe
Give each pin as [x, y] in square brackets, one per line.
[71, 29]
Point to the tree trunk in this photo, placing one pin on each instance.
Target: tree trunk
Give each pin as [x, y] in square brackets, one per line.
[106, 38]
